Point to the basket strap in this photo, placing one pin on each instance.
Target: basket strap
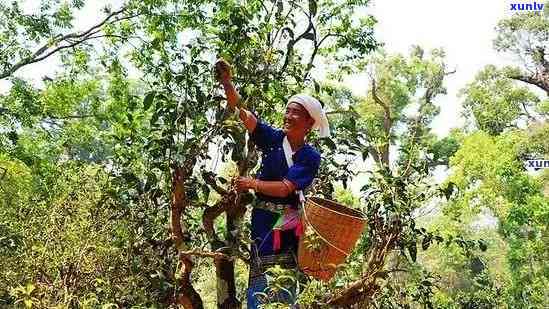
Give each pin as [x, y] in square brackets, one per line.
[288, 154]
[320, 235]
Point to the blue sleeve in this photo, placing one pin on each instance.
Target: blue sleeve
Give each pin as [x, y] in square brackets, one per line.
[264, 135]
[302, 173]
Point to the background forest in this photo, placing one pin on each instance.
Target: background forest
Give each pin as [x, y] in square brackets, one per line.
[115, 173]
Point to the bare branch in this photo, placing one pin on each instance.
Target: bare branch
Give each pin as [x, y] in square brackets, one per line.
[540, 79]
[387, 123]
[73, 39]
[313, 54]
[327, 36]
[291, 44]
[72, 117]
[215, 255]
[211, 181]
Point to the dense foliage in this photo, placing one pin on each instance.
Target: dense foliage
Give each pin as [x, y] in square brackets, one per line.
[115, 173]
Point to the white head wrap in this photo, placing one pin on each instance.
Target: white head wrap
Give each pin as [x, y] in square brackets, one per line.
[315, 110]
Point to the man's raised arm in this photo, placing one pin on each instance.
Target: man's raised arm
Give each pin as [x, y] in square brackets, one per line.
[224, 76]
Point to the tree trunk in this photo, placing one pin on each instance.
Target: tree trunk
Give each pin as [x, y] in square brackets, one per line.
[226, 287]
[186, 295]
[362, 291]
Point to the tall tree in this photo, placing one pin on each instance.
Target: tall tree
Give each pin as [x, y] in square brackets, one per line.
[525, 36]
[489, 169]
[496, 103]
[391, 126]
[155, 133]
[489, 173]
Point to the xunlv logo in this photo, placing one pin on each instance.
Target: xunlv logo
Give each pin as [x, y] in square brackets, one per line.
[527, 6]
[538, 164]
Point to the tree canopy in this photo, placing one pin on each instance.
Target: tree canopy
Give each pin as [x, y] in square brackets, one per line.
[115, 172]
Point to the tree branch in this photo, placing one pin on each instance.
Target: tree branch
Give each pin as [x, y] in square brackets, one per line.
[73, 39]
[313, 54]
[215, 255]
[291, 44]
[387, 123]
[187, 296]
[540, 79]
[208, 179]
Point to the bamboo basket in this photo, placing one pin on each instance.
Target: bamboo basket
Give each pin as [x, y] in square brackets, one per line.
[330, 233]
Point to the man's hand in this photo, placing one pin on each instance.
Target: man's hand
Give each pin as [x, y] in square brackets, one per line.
[224, 76]
[271, 188]
[244, 184]
[223, 71]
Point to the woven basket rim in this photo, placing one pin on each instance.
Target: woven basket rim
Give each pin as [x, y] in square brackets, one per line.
[360, 215]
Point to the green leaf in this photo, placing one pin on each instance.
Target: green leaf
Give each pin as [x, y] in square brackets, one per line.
[309, 36]
[426, 243]
[179, 78]
[482, 245]
[412, 249]
[313, 7]
[449, 190]
[330, 143]
[149, 98]
[28, 303]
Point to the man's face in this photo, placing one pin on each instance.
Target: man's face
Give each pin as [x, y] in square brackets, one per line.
[297, 119]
